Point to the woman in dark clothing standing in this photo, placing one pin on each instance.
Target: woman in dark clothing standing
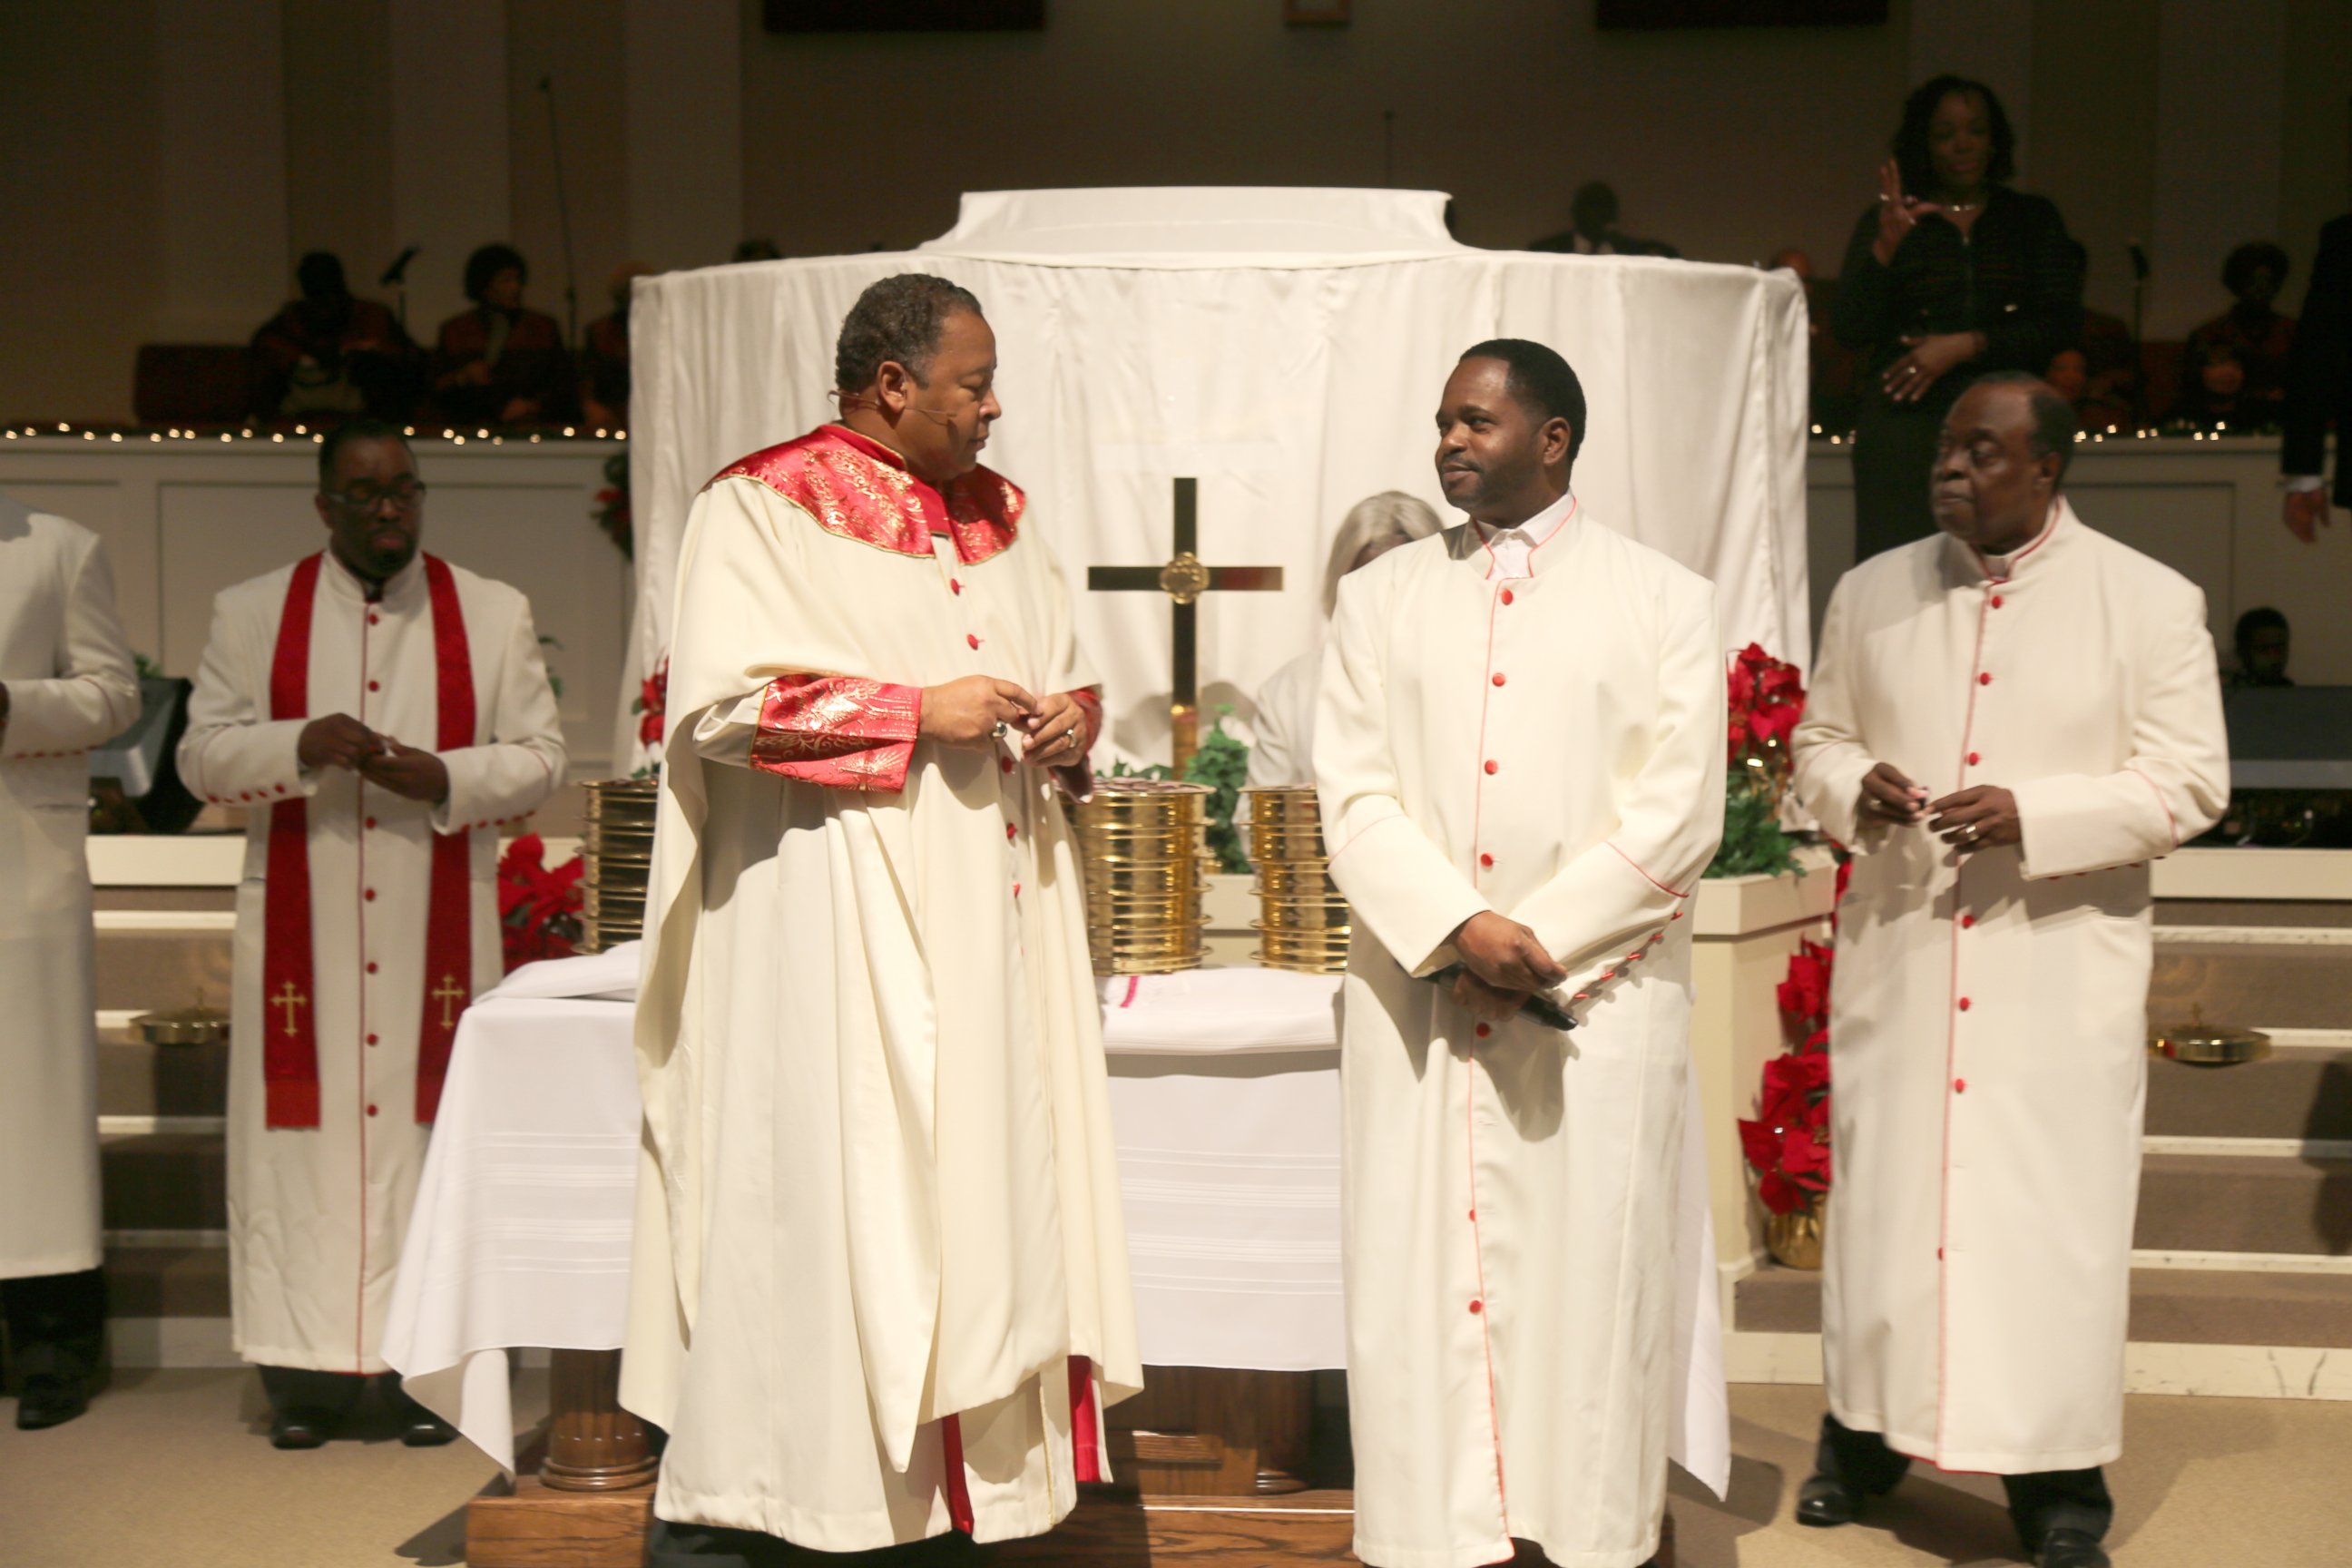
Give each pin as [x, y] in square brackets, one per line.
[1950, 274]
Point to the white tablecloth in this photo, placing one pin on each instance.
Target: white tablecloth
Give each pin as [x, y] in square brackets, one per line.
[1225, 1092]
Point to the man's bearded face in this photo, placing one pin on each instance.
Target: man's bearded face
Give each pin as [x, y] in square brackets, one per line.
[374, 508]
[1491, 446]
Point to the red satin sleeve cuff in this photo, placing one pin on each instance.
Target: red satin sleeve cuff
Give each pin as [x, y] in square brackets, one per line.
[840, 731]
[1089, 703]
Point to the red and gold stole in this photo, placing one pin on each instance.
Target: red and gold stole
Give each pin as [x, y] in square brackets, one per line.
[288, 971]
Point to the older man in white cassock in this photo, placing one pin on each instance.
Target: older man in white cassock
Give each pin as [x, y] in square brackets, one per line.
[1283, 744]
[2008, 722]
[880, 1290]
[379, 714]
[66, 685]
[1520, 757]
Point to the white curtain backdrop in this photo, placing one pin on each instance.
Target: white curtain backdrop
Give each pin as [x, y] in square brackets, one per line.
[1284, 347]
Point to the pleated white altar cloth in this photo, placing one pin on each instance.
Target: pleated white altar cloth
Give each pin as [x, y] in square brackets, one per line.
[1225, 1090]
[1284, 347]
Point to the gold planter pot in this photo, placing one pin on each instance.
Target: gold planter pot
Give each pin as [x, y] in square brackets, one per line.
[1140, 843]
[1795, 1239]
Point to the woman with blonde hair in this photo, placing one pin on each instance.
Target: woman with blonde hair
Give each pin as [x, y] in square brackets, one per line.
[1284, 753]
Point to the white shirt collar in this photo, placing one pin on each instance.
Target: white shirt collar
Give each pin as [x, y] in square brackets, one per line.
[1511, 551]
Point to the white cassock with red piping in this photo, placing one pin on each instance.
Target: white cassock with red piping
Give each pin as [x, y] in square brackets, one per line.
[1539, 733]
[331, 1082]
[1988, 1015]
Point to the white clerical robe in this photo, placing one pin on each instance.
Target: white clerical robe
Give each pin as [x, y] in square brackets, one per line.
[1988, 1018]
[70, 686]
[1549, 747]
[1283, 738]
[318, 1215]
[880, 1287]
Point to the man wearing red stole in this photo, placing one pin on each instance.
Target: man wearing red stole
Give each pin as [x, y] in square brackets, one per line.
[880, 1288]
[378, 712]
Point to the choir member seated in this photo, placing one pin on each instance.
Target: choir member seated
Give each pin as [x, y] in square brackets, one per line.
[499, 364]
[2249, 334]
[327, 355]
[604, 356]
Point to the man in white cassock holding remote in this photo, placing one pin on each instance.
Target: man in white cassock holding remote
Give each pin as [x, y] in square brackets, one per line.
[1520, 751]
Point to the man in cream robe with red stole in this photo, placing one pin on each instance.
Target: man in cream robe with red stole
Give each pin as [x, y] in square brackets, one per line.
[1520, 758]
[66, 685]
[378, 712]
[881, 1286]
[2008, 722]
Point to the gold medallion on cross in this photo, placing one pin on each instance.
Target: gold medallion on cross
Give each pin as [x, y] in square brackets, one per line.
[1185, 578]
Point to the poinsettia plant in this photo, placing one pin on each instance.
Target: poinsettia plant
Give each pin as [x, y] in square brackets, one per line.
[1788, 1143]
[539, 909]
[1765, 697]
[651, 708]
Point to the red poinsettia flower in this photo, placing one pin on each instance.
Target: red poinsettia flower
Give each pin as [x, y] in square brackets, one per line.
[652, 699]
[539, 909]
[1788, 1143]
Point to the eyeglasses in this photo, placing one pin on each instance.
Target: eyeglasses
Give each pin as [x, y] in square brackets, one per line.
[404, 496]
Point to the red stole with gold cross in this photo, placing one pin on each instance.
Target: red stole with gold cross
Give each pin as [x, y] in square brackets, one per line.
[290, 1055]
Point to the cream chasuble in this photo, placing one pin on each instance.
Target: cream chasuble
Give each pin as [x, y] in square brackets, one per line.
[318, 1213]
[880, 1287]
[1988, 1018]
[70, 688]
[1548, 746]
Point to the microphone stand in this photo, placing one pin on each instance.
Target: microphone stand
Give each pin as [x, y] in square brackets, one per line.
[564, 222]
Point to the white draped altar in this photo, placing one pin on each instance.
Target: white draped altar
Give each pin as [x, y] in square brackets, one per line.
[1286, 348]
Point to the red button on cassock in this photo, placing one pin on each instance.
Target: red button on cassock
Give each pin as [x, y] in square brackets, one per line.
[370, 822]
[1985, 679]
[1004, 764]
[1494, 767]
[1996, 601]
[1960, 1086]
[1477, 1306]
[1974, 759]
[972, 638]
[375, 685]
[1506, 595]
[371, 1110]
[371, 1040]
[1967, 920]
[1964, 1004]
[955, 586]
[1485, 860]
[1484, 1030]
[369, 895]
[1499, 678]
[370, 966]
[1010, 832]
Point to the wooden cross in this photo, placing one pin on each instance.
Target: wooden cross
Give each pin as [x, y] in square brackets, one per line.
[1185, 579]
[449, 994]
[290, 999]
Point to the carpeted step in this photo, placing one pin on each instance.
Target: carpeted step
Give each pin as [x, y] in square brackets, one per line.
[2168, 1306]
[135, 1079]
[2304, 1094]
[2203, 1202]
[2283, 984]
[167, 1282]
[164, 1181]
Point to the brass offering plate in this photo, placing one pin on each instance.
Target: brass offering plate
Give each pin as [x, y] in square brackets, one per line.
[2200, 1044]
[196, 1025]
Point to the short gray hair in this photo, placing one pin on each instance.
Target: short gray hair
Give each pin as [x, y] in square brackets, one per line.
[897, 318]
[1388, 519]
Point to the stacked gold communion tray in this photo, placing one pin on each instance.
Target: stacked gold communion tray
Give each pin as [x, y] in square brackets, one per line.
[1302, 921]
[1145, 864]
[618, 853]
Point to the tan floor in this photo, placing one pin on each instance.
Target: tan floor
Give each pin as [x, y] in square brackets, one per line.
[171, 1469]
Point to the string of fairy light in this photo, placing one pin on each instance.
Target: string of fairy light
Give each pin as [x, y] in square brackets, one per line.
[121, 435]
[456, 437]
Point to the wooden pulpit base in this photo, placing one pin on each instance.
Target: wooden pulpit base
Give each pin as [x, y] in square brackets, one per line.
[583, 1496]
[1208, 1432]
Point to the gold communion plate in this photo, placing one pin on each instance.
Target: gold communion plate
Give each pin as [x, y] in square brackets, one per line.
[196, 1025]
[2209, 1046]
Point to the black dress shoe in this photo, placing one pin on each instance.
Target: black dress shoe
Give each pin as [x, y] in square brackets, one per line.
[427, 1431]
[299, 1428]
[2071, 1549]
[50, 1401]
[1825, 1501]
